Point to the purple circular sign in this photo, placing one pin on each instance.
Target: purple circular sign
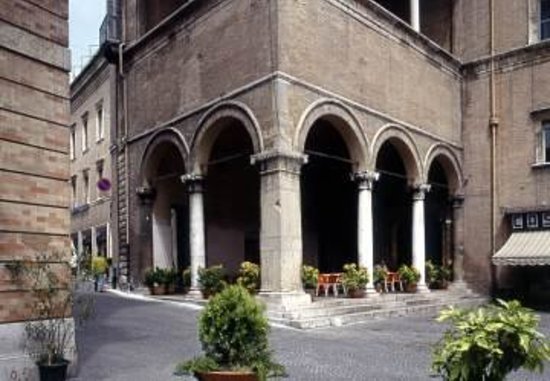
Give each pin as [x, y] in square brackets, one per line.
[104, 184]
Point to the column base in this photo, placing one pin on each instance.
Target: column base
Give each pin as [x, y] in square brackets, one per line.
[423, 289]
[370, 291]
[284, 301]
[194, 293]
[459, 285]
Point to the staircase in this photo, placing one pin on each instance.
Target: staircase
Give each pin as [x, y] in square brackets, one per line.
[329, 311]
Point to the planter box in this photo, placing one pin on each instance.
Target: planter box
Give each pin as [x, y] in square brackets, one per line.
[226, 376]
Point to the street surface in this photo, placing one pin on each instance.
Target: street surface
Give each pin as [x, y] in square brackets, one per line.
[141, 340]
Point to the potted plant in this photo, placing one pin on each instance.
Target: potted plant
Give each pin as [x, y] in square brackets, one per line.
[310, 275]
[437, 276]
[489, 343]
[249, 276]
[186, 279]
[169, 278]
[354, 280]
[410, 275]
[154, 280]
[380, 272]
[99, 266]
[55, 310]
[233, 331]
[211, 280]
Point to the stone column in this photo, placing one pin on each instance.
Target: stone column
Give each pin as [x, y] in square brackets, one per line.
[281, 227]
[419, 234]
[415, 14]
[93, 237]
[458, 239]
[79, 245]
[365, 236]
[197, 245]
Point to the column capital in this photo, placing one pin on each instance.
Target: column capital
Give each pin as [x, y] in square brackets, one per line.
[279, 161]
[457, 201]
[420, 190]
[194, 182]
[366, 179]
[146, 194]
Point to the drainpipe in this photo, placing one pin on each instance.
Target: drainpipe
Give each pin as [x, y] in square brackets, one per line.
[493, 125]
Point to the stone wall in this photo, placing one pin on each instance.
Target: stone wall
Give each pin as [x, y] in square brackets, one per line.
[34, 119]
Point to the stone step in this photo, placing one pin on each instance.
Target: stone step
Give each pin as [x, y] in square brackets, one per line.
[315, 311]
[380, 313]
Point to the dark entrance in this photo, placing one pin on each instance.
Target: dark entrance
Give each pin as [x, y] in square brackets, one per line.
[392, 210]
[329, 200]
[438, 218]
[232, 203]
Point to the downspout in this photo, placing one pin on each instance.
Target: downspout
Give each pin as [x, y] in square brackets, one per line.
[493, 125]
[125, 129]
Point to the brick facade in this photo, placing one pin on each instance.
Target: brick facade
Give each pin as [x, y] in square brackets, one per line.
[363, 68]
[34, 170]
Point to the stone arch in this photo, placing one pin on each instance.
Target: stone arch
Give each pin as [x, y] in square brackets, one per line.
[168, 135]
[405, 145]
[212, 123]
[343, 119]
[450, 163]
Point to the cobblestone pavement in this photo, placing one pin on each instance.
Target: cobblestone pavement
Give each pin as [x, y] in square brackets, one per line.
[139, 340]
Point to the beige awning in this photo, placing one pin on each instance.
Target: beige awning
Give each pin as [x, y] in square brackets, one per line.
[531, 248]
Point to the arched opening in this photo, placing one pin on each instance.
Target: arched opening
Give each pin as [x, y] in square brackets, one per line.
[438, 218]
[392, 208]
[232, 197]
[329, 200]
[168, 214]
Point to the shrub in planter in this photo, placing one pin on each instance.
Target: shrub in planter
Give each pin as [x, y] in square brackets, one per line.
[489, 343]
[354, 279]
[154, 280]
[186, 279]
[55, 309]
[211, 280]
[169, 278]
[233, 331]
[249, 276]
[310, 276]
[380, 272]
[410, 275]
[437, 276]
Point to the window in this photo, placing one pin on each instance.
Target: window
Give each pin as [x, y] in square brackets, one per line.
[100, 129]
[73, 191]
[545, 135]
[86, 186]
[85, 132]
[544, 19]
[72, 142]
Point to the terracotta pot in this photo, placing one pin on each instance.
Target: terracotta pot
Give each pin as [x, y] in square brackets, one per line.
[170, 288]
[226, 376]
[53, 372]
[157, 290]
[411, 287]
[356, 293]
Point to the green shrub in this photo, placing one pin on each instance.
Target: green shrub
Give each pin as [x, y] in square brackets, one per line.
[249, 276]
[436, 273]
[211, 280]
[154, 277]
[355, 277]
[186, 277]
[488, 343]
[310, 275]
[99, 266]
[409, 274]
[234, 332]
[169, 276]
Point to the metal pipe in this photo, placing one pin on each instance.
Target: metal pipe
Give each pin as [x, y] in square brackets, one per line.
[493, 125]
